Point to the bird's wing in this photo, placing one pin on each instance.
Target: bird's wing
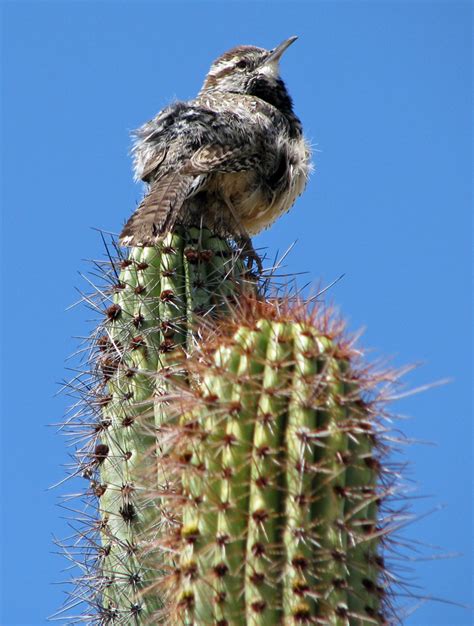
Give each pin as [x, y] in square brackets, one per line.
[175, 151]
[222, 157]
[153, 140]
[199, 139]
[152, 164]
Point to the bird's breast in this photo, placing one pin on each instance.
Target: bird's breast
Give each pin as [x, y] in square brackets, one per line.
[259, 197]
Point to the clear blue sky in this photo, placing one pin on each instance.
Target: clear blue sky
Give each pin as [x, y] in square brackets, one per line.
[383, 90]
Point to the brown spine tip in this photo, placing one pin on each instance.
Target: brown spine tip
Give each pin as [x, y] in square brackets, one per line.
[266, 418]
[127, 489]
[191, 255]
[190, 570]
[372, 463]
[262, 482]
[338, 556]
[258, 549]
[113, 311]
[301, 500]
[137, 342]
[104, 551]
[257, 578]
[118, 287]
[128, 513]
[169, 250]
[229, 439]
[341, 610]
[167, 328]
[222, 539]
[167, 345]
[368, 526]
[128, 420]
[108, 366]
[339, 491]
[135, 610]
[227, 473]
[103, 343]
[186, 600]
[168, 273]
[190, 534]
[299, 562]
[210, 398]
[220, 570]
[220, 598]
[258, 606]
[99, 490]
[102, 425]
[262, 451]
[100, 452]
[134, 579]
[138, 320]
[339, 583]
[302, 614]
[260, 516]
[235, 407]
[206, 255]
[103, 400]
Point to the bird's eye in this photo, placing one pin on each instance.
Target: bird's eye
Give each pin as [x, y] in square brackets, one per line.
[241, 64]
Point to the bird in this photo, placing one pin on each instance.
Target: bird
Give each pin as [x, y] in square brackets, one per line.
[232, 159]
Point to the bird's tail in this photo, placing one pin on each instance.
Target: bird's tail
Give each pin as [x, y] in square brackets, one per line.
[158, 210]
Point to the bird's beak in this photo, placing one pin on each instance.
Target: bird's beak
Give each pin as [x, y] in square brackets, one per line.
[276, 53]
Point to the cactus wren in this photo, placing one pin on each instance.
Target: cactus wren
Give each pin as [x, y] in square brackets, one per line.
[233, 159]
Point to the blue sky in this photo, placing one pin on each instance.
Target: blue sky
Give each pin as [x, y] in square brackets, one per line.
[383, 90]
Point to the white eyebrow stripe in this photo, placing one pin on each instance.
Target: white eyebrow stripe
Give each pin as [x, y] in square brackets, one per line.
[222, 65]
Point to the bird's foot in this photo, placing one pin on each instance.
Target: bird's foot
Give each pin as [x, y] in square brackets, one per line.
[248, 252]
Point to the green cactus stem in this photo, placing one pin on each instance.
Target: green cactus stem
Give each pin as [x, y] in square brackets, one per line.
[149, 320]
[276, 460]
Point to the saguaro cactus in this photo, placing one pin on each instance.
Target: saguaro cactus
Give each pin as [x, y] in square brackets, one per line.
[276, 467]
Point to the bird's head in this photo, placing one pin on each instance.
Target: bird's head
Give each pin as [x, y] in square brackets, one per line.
[249, 70]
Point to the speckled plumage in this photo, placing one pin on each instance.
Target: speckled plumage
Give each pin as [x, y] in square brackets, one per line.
[232, 159]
